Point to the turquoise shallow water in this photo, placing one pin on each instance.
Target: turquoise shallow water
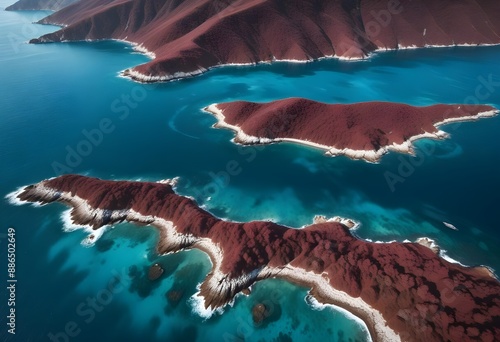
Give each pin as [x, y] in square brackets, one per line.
[55, 96]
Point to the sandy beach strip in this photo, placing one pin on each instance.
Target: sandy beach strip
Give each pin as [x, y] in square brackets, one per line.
[217, 282]
[219, 288]
[142, 78]
[320, 287]
[326, 294]
[371, 156]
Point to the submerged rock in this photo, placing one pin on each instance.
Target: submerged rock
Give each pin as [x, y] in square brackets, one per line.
[413, 293]
[259, 313]
[155, 272]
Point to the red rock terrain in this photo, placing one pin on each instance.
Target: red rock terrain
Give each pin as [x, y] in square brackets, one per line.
[53, 5]
[420, 295]
[372, 126]
[188, 37]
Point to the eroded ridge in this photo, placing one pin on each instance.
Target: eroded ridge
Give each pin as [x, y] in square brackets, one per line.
[187, 38]
[402, 291]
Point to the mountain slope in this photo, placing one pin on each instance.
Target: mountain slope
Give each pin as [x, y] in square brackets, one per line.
[189, 37]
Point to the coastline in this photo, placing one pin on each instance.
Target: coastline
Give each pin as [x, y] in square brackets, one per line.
[139, 77]
[208, 246]
[136, 76]
[222, 285]
[321, 290]
[199, 67]
[370, 156]
[216, 287]
[318, 288]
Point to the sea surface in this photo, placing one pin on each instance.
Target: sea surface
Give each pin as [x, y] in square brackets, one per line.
[55, 100]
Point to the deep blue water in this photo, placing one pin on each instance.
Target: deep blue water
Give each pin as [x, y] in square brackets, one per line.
[53, 97]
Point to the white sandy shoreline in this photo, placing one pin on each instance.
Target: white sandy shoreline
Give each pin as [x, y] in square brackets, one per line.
[217, 281]
[136, 76]
[168, 232]
[371, 319]
[219, 286]
[177, 76]
[371, 156]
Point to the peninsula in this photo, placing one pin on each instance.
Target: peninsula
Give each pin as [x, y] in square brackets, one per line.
[187, 38]
[402, 291]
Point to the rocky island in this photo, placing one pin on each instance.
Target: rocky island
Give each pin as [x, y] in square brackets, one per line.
[359, 131]
[187, 38]
[402, 291]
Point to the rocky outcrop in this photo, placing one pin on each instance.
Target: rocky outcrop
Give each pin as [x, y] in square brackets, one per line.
[409, 287]
[259, 313]
[155, 272]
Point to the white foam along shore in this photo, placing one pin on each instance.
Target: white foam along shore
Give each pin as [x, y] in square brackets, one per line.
[487, 269]
[433, 246]
[13, 199]
[349, 223]
[177, 76]
[217, 283]
[367, 155]
[143, 78]
[325, 294]
[429, 243]
[138, 47]
[353, 308]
